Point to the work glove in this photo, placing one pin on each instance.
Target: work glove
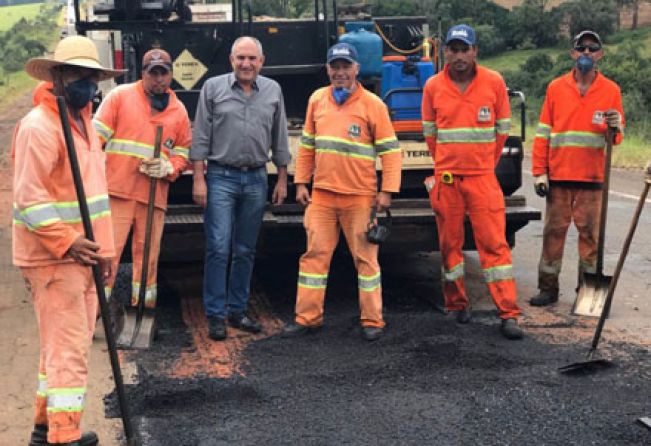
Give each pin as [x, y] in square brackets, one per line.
[430, 182]
[541, 184]
[614, 119]
[156, 167]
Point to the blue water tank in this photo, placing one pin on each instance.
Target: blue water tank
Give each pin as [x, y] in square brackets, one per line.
[369, 49]
[405, 74]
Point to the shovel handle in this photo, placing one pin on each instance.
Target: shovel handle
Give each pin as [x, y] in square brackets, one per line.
[620, 265]
[97, 274]
[604, 202]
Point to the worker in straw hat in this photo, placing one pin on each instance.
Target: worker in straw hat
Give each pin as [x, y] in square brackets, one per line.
[49, 245]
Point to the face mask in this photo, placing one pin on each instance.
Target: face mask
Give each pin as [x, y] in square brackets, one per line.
[160, 101]
[584, 64]
[340, 95]
[80, 92]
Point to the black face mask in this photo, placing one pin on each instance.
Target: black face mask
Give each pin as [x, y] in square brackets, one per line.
[160, 101]
[80, 92]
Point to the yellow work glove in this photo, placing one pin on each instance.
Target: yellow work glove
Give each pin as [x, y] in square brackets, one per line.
[541, 184]
[614, 119]
[156, 167]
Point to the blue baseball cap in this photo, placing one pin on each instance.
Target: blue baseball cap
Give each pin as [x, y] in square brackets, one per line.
[343, 51]
[463, 33]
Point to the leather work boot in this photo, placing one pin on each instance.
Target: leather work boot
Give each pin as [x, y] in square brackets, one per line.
[464, 316]
[372, 333]
[216, 328]
[544, 298]
[39, 438]
[295, 330]
[245, 323]
[510, 329]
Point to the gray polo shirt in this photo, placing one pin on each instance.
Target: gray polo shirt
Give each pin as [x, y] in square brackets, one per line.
[237, 130]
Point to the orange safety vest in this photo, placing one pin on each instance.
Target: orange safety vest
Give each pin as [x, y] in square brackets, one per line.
[570, 138]
[340, 144]
[46, 216]
[465, 132]
[128, 129]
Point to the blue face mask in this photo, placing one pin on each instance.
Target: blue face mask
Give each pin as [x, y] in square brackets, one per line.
[160, 101]
[80, 92]
[340, 95]
[584, 64]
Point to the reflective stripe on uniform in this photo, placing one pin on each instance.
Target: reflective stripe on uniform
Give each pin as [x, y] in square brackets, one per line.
[104, 131]
[577, 139]
[107, 292]
[183, 152]
[387, 145]
[503, 125]
[453, 274]
[469, 135]
[429, 128]
[587, 267]
[307, 140]
[151, 293]
[543, 131]
[341, 146]
[550, 267]
[498, 273]
[45, 214]
[42, 385]
[310, 280]
[369, 283]
[66, 399]
[131, 148]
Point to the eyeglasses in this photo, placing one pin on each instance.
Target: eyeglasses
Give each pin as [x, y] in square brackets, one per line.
[591, 48]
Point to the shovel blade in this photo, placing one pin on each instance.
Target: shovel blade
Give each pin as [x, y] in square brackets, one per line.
[589, 366]
[592, 294]
[125, 337]
[145, 335]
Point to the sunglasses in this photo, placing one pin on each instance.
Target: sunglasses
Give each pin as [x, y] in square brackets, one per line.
[591, 48]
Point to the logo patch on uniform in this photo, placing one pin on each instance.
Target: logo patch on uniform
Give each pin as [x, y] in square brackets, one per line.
[354, 131]
[484, 114]
[598, 117]
[169, 143]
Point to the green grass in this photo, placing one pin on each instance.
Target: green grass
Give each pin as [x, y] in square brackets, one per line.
[11, 14]
[511, 60]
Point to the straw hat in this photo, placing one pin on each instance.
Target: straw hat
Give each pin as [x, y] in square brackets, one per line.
[76, 51]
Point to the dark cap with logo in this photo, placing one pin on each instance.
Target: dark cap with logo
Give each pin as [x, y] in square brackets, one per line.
[586, 33]
[464, 33]
[156, 58]
[343, 51]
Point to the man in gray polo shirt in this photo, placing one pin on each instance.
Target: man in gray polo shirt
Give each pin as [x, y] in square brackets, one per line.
[240, 117]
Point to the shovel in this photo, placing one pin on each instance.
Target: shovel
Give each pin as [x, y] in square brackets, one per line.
[591, 362]
[139, 323]
[594, 287]
[97, 274]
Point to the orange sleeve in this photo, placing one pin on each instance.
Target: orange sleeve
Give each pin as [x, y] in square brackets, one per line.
[305, 161]
[105, 119]
[429, 118]
[387, 147]
[502, 118]
[36, 154]
[540, 154]
[181, 151]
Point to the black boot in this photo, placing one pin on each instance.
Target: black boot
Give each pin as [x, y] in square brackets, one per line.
[544, 298]
[216, 328]
[510, 329]
[39, 438]
[464, 316]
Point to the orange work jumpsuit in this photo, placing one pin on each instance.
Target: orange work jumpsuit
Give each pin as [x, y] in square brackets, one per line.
[46, 221]
[339, 147]
[128, 129]
[465, 133]
[569, 148]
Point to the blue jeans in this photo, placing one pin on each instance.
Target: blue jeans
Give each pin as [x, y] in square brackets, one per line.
[232, 220]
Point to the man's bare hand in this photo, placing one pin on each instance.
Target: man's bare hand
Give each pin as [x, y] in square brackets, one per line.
[200, 191]
[383, 201]
[303, 195]
[280, 192]
[106, 267]
[84, 252]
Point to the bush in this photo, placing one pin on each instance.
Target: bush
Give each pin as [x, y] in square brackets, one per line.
[490, 40]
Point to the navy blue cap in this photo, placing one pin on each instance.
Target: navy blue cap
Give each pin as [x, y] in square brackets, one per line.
[343, 51]
[463, 33]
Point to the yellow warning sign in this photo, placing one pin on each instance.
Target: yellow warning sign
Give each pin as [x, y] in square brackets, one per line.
[188, 70]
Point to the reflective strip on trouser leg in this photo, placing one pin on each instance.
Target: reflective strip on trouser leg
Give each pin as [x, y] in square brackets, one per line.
[65, 301]
[449, 209]
[138, 248]
[354, 213]
[322, 236]
[40, 412]
[485, 204]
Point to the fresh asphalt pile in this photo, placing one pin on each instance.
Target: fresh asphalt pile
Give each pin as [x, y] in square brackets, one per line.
[428, 381]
